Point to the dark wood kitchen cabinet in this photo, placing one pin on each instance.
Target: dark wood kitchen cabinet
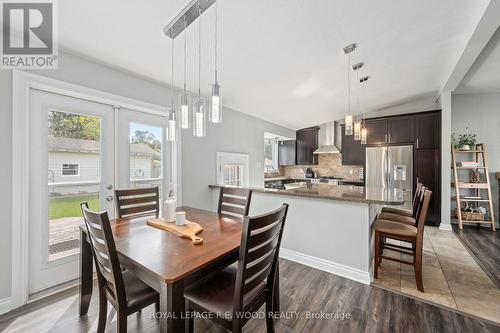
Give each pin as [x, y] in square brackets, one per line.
[307, 143]
[376, 130]
[286, 152]
[428, 171]
[428, 130]
[400, 130]
[353, 152]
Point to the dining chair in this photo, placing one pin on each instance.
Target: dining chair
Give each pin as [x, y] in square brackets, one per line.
[234, 201]
[122, 289]
[404, 215]
[386, 229]
[230, 296]
[138, 201]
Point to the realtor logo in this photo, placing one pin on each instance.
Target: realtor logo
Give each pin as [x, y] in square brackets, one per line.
[29, 35]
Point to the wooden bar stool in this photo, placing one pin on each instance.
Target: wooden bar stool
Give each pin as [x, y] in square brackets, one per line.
[403, 215]
[386, 229]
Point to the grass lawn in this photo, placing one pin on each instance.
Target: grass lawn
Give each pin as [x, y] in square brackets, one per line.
[69, 206]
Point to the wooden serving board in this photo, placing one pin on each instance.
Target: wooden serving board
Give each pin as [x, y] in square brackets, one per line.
[189, 230]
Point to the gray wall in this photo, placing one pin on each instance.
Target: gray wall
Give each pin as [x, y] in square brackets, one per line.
[481, 114]
[238, 133]
[78, 71]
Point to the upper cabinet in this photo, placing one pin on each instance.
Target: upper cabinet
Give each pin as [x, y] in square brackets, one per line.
[286, 152]
[307, 143]
[400, 129]
[376, 130]
[353, 152]
[428, 130]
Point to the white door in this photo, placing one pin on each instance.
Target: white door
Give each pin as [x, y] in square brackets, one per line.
[71, 155]
[232, 169]
[143, 156]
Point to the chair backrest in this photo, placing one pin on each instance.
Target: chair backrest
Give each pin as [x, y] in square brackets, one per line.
[103, 248]
[138, 201]
[426, 199]
[260, 244]
[234, 201]
[419, 204]
[416, 198]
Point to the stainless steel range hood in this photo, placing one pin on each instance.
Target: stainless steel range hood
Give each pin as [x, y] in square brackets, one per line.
[329, 138]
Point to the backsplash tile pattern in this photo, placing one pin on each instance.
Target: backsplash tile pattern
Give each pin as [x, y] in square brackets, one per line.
[329, 165]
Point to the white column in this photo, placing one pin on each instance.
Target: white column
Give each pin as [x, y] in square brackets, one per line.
[445, 161]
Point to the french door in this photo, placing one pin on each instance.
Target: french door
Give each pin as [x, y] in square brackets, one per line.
[79, 151]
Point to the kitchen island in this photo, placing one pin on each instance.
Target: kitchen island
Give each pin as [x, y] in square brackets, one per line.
[329, 227]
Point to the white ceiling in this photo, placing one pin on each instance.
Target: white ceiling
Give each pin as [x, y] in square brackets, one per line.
[282, 60]
[484, 75]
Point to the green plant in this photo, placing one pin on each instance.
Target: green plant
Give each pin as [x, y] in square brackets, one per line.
[463, 139]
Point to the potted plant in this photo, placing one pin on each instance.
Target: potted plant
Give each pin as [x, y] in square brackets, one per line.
[464, 141]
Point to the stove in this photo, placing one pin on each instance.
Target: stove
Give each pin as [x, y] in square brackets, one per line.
[327, 180]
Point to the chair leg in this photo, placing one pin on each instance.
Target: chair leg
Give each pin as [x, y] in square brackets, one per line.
[376, 262]
[190, 319]
[103, 312]
[269, 314]
[121, 322]
[418, 270]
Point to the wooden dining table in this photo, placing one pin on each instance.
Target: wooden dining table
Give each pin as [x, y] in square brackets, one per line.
[167, 262]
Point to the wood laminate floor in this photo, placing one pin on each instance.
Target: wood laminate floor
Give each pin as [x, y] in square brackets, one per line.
[304, 290]
[484, 245]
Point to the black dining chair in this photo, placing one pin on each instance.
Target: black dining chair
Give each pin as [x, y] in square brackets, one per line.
[234, 201]
[229, 294]
[138, 202]
[122, 289]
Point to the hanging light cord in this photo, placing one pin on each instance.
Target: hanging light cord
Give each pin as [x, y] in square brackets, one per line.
[185, 43]
[216, 42]
[348, 84]
[199, 52]
[172, 79]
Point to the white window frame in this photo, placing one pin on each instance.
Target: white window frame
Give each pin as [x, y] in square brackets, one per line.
[77, 170]
[236, 158]
[275, 156]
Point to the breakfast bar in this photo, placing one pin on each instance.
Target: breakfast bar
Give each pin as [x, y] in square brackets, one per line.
[328, 227]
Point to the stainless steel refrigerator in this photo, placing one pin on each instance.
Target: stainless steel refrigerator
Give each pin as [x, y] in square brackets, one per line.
[390, 167]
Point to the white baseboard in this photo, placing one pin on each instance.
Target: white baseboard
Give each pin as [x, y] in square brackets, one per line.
[5, 305]
[445, 226]
[327, 266]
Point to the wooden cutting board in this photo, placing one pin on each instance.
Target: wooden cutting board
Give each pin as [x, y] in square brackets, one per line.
[189, 230]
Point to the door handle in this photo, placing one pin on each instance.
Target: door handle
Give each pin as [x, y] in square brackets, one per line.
[109, 198]
[417, 143]
[389, 138]
[385, 137]
[109, 186]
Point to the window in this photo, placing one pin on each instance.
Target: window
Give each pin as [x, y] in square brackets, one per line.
[270, 155]
[232, 169]
[70, 169]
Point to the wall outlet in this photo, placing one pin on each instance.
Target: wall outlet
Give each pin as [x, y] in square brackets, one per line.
[351, 171]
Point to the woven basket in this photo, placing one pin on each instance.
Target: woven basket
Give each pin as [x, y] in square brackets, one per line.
[470, 216]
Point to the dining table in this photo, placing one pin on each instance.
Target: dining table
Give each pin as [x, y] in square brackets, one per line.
[167, 262]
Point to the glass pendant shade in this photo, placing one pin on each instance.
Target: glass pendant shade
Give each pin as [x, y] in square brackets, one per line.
[357, 130]
[171, 128]
[185, 116]
[199, 117]
[364, 135]
[348, 124]
[215, 105]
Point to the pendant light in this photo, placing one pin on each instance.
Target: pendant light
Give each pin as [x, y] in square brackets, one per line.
[171, 133]
[200, 104]
[185, 116]
[215, 99]
[364, 131]
[348, 116]
[357, 120]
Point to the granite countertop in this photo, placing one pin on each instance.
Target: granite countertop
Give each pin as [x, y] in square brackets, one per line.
[373, 195]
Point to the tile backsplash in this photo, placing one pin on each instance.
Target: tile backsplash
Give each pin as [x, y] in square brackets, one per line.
[329, 165]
